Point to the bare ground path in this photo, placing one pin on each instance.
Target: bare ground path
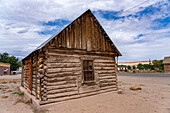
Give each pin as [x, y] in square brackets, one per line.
[153, 98]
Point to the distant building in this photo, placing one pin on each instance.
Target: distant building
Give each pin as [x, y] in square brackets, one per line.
[122, 68]
[134, 63]
[166, 63]
[4, 68]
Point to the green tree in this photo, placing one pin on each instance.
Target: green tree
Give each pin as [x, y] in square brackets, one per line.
[14, 63]
[129, 67]
[158, 64]
[4, 57]
[133, 67]
[146, 66]
[140, 66]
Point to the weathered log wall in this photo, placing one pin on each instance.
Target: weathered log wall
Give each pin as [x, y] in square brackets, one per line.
[38, 74]
[167, 68]
[64, 75]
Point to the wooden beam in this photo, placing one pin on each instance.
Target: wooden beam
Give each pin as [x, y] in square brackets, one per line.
[84, 44]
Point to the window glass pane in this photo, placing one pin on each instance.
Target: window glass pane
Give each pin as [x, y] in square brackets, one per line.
[88, 70]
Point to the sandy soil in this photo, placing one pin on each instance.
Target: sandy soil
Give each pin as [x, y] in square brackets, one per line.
[153, 98]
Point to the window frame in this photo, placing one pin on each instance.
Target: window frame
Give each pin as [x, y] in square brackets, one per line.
[82, 71]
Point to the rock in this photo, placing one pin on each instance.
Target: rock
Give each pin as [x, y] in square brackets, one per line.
[4, 96]
[136, 87]
[120, 91]
[9, 91]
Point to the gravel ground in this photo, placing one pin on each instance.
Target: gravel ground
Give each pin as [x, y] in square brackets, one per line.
[145, 75]
[153, 98]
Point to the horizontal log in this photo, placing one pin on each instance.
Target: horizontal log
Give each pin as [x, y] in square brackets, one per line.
[78, 52]
[114, 87]
[59, 99]
[108, 84]
[107, 77]
[59, 95]
[102, 60]
[104, 65]
[104, 68]
[104, 71]
[78, 96]
[63, 65]
[57, 79]
[61, 87]
[56, 70]
[62, 74]
[107, 80]
[63, 60]
[61, 90]
[61, 83]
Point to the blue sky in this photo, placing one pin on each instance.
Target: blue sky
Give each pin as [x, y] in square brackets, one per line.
[141, 33]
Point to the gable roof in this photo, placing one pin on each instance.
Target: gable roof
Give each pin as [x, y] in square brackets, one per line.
[166, 60]
[104, 33]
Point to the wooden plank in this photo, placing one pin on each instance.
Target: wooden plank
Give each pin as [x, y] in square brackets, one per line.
[84, 44]
[59, 40]
[106, 45]
[67, 37]
[100, 39]
[63, 38]
[79, 34]
[88, 33]
[73, 35]
[103, 41]
[80, 31]
[76, 34]
[92, 35]
[56, 41]
[110, 48]
[77, 24]
[96, 34]
[70, 37]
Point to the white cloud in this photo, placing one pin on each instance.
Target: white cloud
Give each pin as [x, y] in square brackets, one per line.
[20, 20]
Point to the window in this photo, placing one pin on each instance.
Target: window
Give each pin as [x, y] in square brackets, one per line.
[88, 70]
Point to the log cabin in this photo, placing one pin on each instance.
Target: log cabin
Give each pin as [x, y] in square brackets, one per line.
[76, 62]
[166, 63]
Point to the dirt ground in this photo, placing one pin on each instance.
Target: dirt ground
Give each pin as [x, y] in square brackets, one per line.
[153, 98]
